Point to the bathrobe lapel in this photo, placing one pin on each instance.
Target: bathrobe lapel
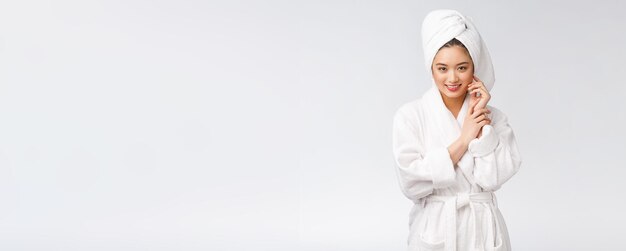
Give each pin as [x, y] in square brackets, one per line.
[444, 128]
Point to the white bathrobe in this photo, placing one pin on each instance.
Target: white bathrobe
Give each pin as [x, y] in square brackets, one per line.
[455, 207]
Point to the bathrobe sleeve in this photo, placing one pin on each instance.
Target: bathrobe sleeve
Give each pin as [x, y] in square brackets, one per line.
[496, 156]
[418, 171]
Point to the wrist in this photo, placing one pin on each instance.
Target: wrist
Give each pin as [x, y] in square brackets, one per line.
[464, 141]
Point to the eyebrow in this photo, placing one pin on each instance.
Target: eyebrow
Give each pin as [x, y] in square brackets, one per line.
[447, 65]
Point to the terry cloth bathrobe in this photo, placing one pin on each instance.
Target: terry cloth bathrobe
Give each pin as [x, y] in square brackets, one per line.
[454, 205]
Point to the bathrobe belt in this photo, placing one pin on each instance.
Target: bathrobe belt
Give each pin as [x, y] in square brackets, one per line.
[452, 203]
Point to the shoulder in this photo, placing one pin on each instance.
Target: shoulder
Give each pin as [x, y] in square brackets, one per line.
[409, 109]
[409, 113]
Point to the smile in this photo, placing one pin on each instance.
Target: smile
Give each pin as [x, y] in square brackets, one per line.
[453, 88]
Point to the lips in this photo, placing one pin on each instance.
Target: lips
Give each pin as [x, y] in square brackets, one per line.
[453, 88]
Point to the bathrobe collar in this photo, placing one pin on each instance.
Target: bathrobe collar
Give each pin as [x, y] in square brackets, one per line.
[439, 118]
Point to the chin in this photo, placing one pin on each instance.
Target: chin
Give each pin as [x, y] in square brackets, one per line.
[454, 95]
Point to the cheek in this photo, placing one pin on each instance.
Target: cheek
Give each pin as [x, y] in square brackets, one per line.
[439, 78]
[467, 77]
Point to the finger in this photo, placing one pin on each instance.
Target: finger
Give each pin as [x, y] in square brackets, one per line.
[472, 109]
[481, 111]
[473, 101]
[478, 85]
[483, 92]
[484, 117]
[482, 87]
[472, 87]
[473, 94]
[475, 91]
[480, 117]
[475, 112]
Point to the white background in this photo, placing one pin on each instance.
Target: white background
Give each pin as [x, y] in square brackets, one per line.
[266, 125]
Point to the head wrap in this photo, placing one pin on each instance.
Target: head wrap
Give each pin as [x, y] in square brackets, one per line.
[441, 26]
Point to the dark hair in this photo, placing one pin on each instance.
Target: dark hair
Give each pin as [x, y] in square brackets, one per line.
[455, 42]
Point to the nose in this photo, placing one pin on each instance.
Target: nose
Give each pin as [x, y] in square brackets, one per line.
[452, 77]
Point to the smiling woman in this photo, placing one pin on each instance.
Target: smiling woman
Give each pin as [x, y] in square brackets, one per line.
[453, 150]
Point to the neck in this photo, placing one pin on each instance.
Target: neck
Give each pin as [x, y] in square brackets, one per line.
[453, 104]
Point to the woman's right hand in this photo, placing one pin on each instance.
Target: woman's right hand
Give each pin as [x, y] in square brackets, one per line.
[474, 122]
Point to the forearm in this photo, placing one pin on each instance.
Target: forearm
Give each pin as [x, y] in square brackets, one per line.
[457, 149]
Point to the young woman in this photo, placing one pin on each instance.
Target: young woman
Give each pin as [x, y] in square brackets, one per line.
[452, 149]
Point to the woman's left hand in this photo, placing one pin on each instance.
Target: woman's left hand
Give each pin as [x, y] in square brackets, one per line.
[477, 86]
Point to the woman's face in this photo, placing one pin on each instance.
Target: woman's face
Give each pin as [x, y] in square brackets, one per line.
[453, 70]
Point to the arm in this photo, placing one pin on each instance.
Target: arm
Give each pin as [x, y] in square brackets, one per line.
[418, 171]
[457, 150]
[495, 153]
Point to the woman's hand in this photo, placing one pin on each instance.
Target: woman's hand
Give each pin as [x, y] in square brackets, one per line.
[475, 87]
[472, 126]
[474, 121]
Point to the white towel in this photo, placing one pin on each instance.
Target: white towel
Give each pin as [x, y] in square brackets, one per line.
[441, 26]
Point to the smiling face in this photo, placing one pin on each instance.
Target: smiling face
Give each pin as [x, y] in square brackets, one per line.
[453, 71]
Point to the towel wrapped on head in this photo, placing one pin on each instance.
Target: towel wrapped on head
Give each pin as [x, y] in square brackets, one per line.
[441, 26]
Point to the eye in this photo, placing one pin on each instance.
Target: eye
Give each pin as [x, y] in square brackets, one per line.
[462, 68]
[441, 68]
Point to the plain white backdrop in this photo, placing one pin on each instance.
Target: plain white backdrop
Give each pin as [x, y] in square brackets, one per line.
[266, 125]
